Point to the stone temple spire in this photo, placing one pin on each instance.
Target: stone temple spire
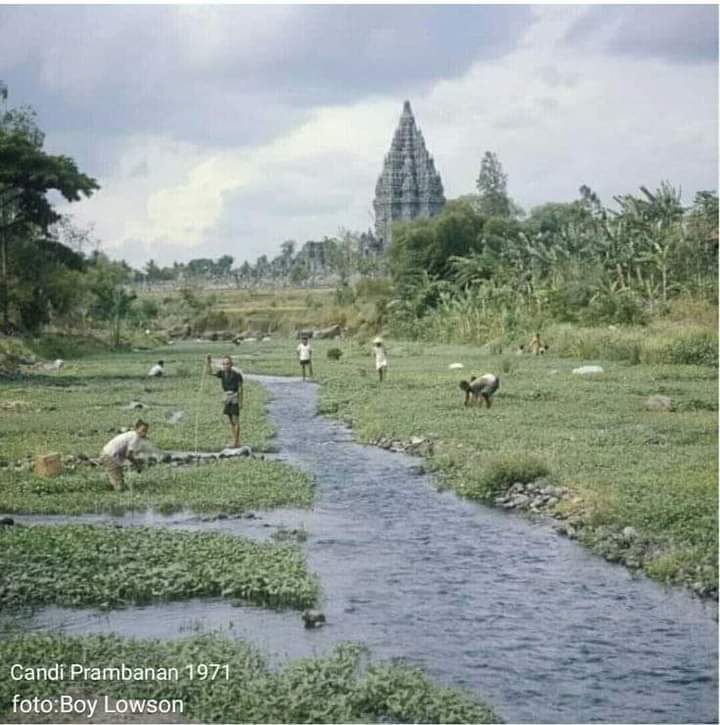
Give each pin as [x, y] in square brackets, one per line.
[409, 186]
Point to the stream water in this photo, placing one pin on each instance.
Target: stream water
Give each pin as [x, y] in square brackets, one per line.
[477, 597]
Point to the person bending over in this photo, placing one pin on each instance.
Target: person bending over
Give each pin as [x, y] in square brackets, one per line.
[231, 380]
[480, 389]
[157, 370]
[120, 449]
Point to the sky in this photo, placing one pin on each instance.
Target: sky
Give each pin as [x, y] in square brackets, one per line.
[228, 129]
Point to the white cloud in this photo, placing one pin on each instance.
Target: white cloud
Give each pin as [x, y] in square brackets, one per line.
[557, 117]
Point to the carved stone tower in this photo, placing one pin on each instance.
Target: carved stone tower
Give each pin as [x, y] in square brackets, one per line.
[409, 186]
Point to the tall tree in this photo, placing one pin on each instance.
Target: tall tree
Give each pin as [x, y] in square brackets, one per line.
[27, 175]
[492, 188]
[112, 297]
[223, 265]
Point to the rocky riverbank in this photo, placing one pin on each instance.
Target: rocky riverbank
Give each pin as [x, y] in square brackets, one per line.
[173, 458]
[618, 544]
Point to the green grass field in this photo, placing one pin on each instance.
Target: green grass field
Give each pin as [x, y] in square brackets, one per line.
[78, 409]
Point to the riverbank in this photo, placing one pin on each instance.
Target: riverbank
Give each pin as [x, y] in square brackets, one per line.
[640, 480]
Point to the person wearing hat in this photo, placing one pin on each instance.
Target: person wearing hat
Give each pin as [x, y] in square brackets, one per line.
[380, 357]
[304, 352]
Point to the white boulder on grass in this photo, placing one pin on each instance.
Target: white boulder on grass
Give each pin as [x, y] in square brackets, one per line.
[588, 370]
[455, 366]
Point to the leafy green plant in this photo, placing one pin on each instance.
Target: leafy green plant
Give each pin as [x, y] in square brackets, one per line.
[80, 565]
[696, 349]
[343, 686]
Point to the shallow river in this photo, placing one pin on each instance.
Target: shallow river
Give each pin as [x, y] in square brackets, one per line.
[529, 620]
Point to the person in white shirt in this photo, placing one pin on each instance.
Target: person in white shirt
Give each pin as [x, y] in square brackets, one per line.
[120, 449]
[157, 370]
[380, 357]
[304, 352]
[480, 389]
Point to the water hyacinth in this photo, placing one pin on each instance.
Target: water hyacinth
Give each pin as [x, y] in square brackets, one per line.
[102, 566]
[340, 687]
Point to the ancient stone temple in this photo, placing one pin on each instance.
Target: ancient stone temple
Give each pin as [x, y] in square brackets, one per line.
[409, 186]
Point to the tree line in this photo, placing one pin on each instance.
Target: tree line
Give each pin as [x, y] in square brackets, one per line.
[332, 260]
[579, 261]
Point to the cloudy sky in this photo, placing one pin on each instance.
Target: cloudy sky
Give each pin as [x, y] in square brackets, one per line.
[229, 129]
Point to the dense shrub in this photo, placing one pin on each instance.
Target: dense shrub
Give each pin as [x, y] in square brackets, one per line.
[369, 288]
[694, 349]
[212, 320]
[66, 346]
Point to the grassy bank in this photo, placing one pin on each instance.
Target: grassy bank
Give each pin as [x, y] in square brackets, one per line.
[79, 408]
[341, 687]
[626, 466]
[229, 487]
[76, 410]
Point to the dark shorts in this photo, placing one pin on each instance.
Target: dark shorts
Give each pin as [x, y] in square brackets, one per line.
[305, 362]
[232, 409]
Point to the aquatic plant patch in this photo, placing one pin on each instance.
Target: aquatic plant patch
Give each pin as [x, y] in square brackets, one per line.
[341, 687]
[231, 487]
[108, 566]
